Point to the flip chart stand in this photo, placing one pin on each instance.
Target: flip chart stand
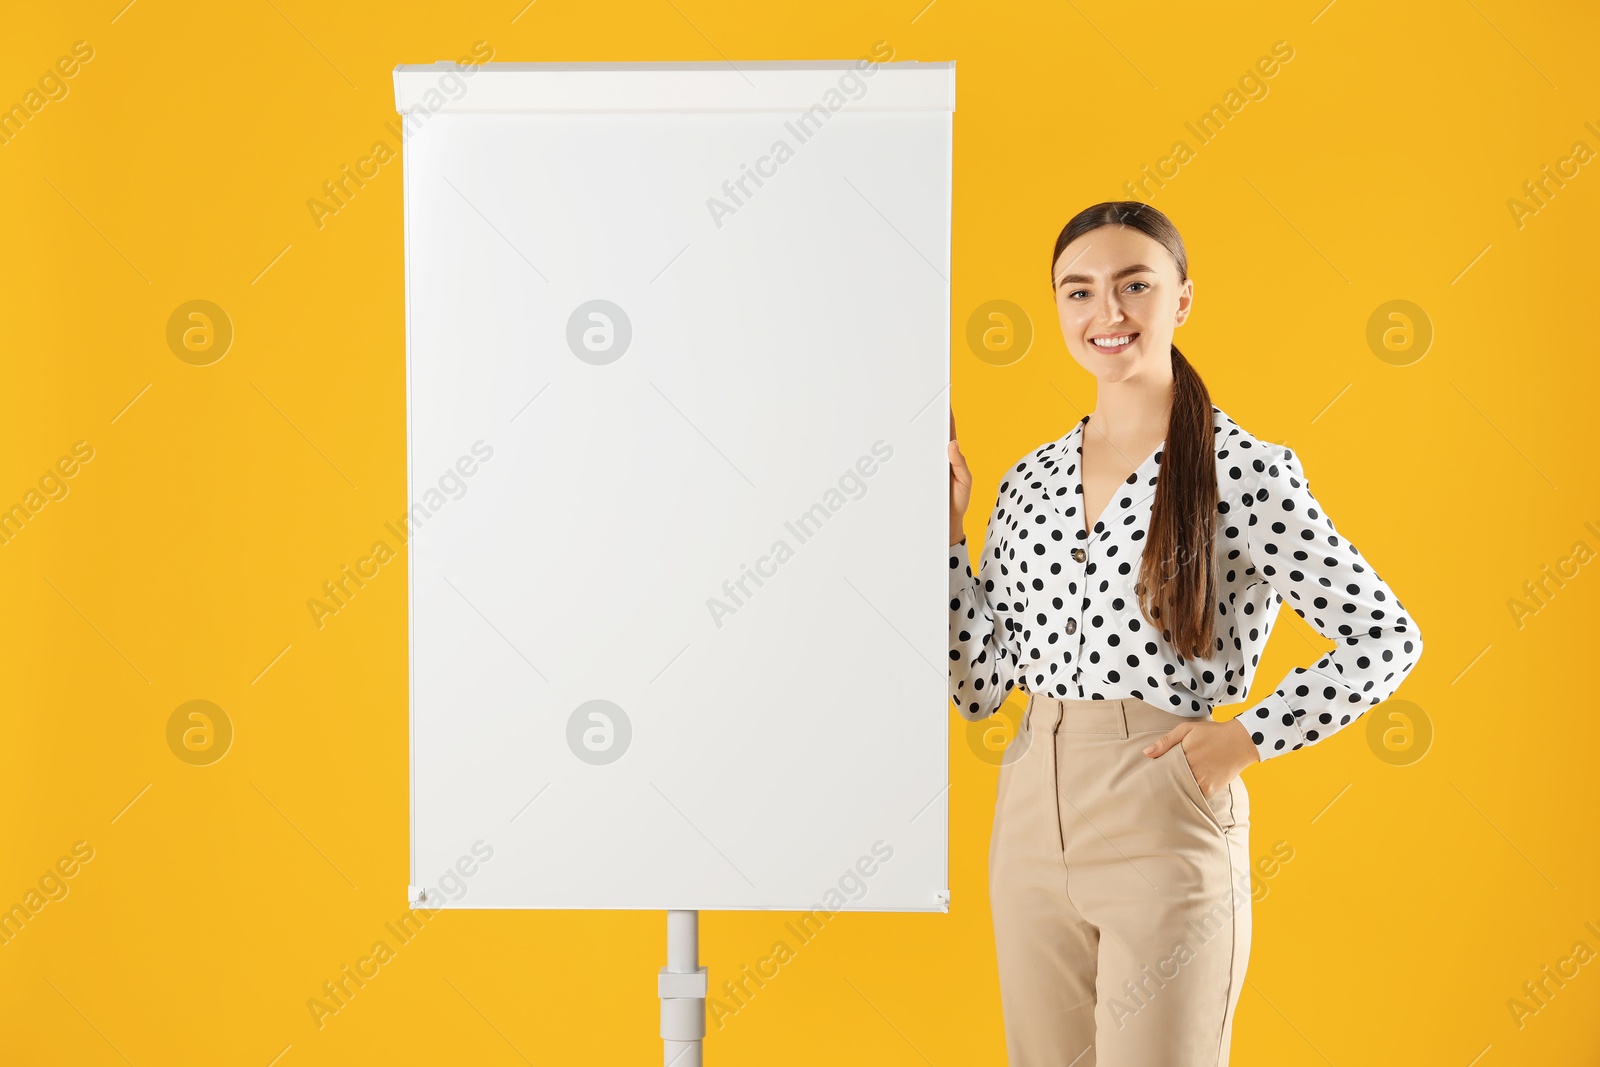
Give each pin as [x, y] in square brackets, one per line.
[682, 987]
[620, 235]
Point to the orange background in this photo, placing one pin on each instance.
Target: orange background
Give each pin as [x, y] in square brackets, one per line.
[1378, 165]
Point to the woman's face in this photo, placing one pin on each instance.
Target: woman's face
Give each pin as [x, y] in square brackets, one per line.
[1114, 282]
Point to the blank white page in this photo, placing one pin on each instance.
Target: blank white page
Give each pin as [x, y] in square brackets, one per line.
[678, 482]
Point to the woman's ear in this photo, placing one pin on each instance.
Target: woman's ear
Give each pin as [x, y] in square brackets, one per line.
[1185, 302]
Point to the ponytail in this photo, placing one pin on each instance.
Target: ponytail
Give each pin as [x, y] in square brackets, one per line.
[1178, 571]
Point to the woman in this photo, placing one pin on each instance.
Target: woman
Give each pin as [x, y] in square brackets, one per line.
[1130, 575]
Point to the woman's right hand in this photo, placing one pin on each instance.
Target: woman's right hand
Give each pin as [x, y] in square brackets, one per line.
[960, 485]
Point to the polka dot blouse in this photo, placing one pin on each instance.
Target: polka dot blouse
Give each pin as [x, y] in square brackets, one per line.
[1053, 608]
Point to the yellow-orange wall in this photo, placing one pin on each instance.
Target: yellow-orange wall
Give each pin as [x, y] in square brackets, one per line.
[1378, 163]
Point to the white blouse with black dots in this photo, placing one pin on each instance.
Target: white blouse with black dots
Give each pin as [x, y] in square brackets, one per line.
[1053, 608]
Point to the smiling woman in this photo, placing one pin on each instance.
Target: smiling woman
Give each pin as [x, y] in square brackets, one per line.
[1130, 577]
[1124, 335]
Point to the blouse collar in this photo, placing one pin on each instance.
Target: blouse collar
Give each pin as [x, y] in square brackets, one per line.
[1061, 484]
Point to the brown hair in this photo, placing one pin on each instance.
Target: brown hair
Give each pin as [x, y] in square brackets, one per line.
[1183, 518]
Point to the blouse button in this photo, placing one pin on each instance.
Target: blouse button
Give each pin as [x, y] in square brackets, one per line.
[1072, 626]
[1079, 555]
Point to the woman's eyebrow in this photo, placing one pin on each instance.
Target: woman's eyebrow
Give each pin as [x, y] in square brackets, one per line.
[1124, 272]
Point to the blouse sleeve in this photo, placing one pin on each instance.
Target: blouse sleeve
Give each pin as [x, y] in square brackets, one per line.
[983, 654]
[1327, 582]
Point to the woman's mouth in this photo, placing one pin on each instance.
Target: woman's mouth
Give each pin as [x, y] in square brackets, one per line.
[1114, 342]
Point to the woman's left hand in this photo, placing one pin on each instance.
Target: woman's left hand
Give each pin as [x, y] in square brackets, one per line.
[1219, 751]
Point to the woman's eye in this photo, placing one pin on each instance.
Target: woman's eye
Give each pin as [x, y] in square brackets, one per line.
[1130, 289]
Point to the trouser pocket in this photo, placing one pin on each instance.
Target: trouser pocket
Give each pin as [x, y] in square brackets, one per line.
[1219, 810]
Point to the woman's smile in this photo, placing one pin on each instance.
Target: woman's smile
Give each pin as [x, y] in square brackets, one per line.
[1114, 342]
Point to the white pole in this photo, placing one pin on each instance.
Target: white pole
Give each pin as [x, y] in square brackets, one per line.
[682, 987]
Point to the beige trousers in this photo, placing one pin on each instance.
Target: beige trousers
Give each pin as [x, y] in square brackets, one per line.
[1120, 892]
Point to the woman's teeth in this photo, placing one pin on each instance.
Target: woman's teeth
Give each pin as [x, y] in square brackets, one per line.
[1114, 343]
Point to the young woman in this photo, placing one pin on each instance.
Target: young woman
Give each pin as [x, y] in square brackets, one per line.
[1130, 575]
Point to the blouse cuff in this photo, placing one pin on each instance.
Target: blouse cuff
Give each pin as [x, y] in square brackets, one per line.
[1273, 727]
